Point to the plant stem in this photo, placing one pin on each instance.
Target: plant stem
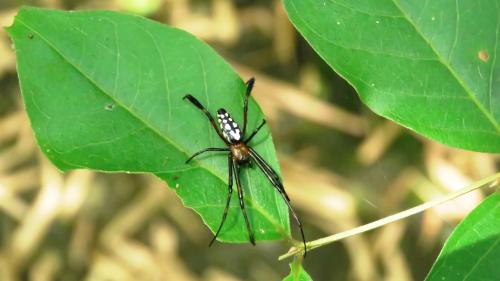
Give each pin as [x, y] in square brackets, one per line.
[490, 181]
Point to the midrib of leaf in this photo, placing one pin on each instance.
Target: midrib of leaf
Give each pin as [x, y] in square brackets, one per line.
[449, 68]
[257, 207]
[296, 276]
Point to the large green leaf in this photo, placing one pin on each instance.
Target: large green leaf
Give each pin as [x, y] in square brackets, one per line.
[473, 250]
[429, 65]
[104, 91]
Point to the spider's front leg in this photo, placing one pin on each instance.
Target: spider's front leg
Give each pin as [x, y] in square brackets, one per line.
[255, 131]
[249, 84]
[197, 103]
[208, 149]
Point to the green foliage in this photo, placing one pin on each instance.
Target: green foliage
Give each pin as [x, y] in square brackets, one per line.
[473, 250]
[104, 91]
[297, 272]
[429, 65]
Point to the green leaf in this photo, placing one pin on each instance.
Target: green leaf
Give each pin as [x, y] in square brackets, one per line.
[104, 91]
[473, 250]
[430, 66]
[297, 272]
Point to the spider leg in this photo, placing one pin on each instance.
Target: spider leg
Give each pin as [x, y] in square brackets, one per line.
[208, 149]
[273, 177]
[236, 170]
[255, 131]
[269, 172]
[196, 103]
[249, 84]
[229, 194]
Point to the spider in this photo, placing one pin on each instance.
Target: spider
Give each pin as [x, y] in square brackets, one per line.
[240, 153]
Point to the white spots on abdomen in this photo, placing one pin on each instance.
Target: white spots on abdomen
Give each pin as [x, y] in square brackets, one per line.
[230, 129]
[235, 134]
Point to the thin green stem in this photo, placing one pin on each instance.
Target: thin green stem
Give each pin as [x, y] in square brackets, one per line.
[490, 181]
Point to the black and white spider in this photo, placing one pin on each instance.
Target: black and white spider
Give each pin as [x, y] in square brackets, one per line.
[241, 153]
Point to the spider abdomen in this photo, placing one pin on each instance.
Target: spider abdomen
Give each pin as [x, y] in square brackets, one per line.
[230, 128]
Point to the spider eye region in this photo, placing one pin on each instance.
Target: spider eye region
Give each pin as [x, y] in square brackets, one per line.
[230, 128]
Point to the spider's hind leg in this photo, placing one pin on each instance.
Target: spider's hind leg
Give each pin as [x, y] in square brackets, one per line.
[273, 177]
[242, 203]
[228, 201]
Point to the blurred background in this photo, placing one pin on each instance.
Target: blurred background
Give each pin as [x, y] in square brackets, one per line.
[343, 166]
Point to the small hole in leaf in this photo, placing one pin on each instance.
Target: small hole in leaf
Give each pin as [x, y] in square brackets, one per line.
[483, 55]
[110, 106]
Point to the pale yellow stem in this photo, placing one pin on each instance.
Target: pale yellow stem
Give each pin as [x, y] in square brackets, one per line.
[490, 181]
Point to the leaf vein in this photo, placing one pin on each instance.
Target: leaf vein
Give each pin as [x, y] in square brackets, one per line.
[164, 70]
[455, 39]
[494, 59]
[364, 12]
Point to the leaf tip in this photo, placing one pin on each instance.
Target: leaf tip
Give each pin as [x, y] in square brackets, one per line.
[10, 28]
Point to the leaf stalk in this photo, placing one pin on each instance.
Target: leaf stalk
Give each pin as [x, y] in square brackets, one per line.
[490, 181]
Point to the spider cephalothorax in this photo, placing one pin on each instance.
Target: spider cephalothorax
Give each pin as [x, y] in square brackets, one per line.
[241, 153]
